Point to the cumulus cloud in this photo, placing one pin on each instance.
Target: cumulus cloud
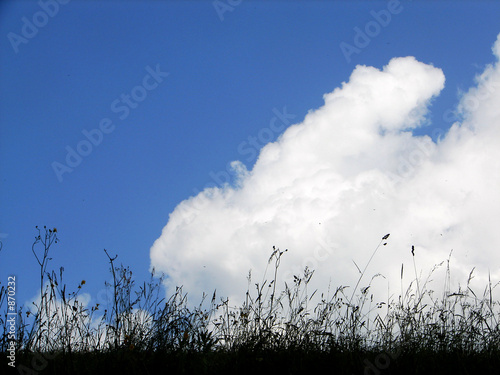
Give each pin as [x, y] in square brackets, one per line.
[332, 185]
[72, 321]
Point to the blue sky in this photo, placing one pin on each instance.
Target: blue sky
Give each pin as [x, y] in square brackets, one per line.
[226, 76]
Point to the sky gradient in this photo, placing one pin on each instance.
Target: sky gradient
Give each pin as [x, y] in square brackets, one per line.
[180, 89]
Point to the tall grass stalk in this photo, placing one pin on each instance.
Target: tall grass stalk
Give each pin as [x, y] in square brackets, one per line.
[273, 319]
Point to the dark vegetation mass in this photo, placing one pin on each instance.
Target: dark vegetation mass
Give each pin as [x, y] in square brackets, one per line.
[276, 329]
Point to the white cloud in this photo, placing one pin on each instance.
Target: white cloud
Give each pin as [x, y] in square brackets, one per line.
[62, 321]
[74, 322]
[331, 186]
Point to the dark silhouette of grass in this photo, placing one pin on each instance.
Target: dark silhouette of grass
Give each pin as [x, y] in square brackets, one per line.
[273, 330]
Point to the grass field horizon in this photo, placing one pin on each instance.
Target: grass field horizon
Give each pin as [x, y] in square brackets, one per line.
[276, 328]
